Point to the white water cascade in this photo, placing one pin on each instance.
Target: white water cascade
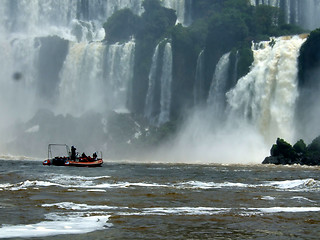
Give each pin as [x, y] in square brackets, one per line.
[166, 81]
[267, 95]
[150, 98]
[216, 97]
[199, 79]
[95, 77]
[62, 18]
[304, 13]
[163, 78]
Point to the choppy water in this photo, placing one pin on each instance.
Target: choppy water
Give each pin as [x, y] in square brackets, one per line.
[158, 201]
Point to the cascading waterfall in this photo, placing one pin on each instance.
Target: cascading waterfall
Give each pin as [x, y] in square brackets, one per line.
[118, 74]
[61, 18]
[96, 77]
[150, 98]
[81, 87]
[216, 97]
[199, 79]
[301, 12]
[260, 108]
[166, 80]
[266, 96]
[159, 112]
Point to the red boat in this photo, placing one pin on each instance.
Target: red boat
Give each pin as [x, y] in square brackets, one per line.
[72, 158]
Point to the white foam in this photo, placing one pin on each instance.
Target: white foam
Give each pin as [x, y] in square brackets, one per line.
[128, 184]
[26, 184]
[96, 190]
[71, 225]
[295, 185]
[78, 206]
[185, 211]
[301, 199]
[176, 211]
[285, 209]
[208, 185]
[61, 177]
[269, 198]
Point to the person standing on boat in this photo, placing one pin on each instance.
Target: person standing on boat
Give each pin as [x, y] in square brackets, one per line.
[73, 153]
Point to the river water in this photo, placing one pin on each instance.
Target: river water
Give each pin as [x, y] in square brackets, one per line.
[158, 201]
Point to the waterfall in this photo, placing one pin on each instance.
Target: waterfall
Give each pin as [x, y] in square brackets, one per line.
[266, 96]
[216, 97]
[199, 79]
[166, 80]
[157, 109]
[96, 77]
[150, 98]
[119, 73]
[82, 85]
[304, 13]
[62, 18]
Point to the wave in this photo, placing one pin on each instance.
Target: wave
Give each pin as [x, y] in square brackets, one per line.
[308, 184]
[101, 183]
[200, 210]
[79, 206]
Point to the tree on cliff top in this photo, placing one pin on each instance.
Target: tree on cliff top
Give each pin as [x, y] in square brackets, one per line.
[121, 25]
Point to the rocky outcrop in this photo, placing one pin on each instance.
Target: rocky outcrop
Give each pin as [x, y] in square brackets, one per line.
[282, 153]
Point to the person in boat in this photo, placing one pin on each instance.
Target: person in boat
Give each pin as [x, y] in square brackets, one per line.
[73, 153]
[94, 155]
[83, 157]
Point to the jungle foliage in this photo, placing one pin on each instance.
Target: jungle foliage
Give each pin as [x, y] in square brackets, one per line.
[283, 153]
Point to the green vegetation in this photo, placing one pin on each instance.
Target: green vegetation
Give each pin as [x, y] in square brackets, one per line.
[283, 153]
[121, 25]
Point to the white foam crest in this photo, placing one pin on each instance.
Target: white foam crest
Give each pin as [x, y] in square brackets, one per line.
[295, 185]
[269, 198]
[302, 199]
[78, 206]
[179, 211]
[208, 185]
[283, 210]
[129, 184]
[57, 177]
[69, 225]
[26, 184]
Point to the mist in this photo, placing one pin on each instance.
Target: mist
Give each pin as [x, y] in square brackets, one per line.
[202, 139]
[308, 108]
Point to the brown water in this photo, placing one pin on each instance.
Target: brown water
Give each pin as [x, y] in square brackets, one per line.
[158, 201]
